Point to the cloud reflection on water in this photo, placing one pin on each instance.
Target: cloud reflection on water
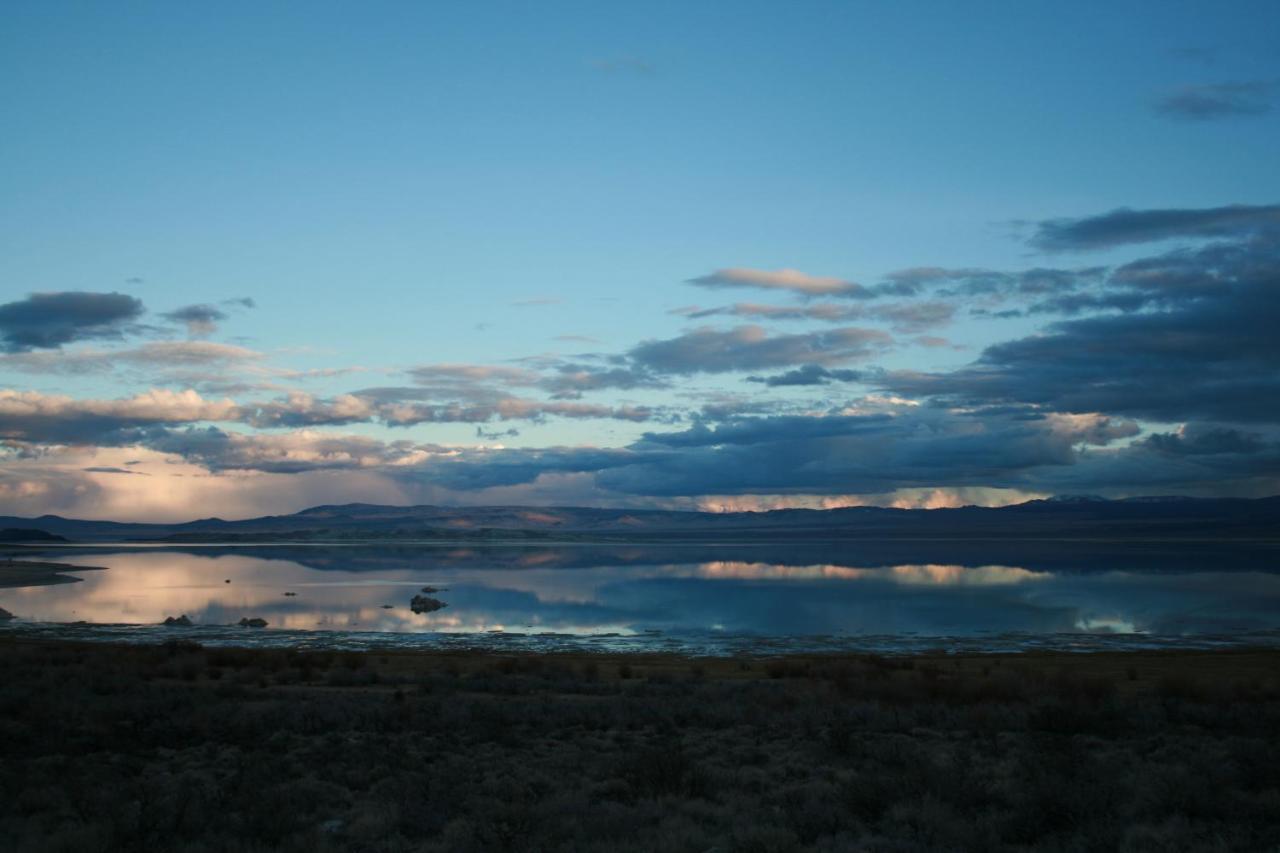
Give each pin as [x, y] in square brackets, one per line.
[741, 596]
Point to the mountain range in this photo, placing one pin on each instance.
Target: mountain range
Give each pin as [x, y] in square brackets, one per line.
[1068, 517]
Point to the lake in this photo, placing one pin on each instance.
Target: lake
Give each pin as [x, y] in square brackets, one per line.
[715, 599]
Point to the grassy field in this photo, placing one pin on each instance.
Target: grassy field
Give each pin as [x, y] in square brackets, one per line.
[182, 748]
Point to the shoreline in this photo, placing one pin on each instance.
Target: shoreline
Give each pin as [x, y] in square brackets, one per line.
[1133, 671]
[16, 574]
[709, 645]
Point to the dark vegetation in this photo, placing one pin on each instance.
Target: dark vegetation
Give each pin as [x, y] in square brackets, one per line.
[183, 748]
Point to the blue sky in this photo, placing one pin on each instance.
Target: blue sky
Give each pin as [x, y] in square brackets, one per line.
[400, 185]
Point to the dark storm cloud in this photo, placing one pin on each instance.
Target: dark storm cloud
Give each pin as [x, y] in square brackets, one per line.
[49, 320]
[809, 374]
[707, 350]
[838, 454]
[871, 453]
[1219, 100]
[834, 454]
[1125, 226]
[1209, 440]
[200, 320]
[1210, 352]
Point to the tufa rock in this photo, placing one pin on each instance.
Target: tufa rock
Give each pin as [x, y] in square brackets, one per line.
[253, 623]
[425, 604]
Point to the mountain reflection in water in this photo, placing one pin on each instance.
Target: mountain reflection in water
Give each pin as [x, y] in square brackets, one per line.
[672, 592]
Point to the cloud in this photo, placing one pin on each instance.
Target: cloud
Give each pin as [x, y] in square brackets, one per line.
[1209, 440]
[1182, 340]
[511, 408]
[201, 320]
[29, 416]
[301, 451]
[489, 468]
[1210, 351]
[809, 374]
[49, 320]
[902, 317]
[1211, 101]
[874, 453]
[563, 379]
[784, 279]
[1125, 226]
[157, 355]
[397, 408]
[468, 374]
[901, 448]
[571, 381]
[496, 434]
[706, 350]
[175, 490]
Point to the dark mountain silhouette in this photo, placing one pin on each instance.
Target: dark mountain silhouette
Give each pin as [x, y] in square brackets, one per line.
[28, 534]
[1081, 518]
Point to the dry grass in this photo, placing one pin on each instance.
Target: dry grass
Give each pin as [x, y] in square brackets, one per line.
[183, 748]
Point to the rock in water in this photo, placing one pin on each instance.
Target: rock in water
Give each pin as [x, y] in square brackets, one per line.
[253, 623]
[178, 622]
[425, 604]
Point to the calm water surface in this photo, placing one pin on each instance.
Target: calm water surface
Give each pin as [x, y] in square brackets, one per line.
[711, 599]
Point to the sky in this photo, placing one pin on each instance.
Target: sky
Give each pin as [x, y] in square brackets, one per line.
[256, 257]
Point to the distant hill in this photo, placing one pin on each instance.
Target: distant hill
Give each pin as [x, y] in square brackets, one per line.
[28, 534]
[1083, 517]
